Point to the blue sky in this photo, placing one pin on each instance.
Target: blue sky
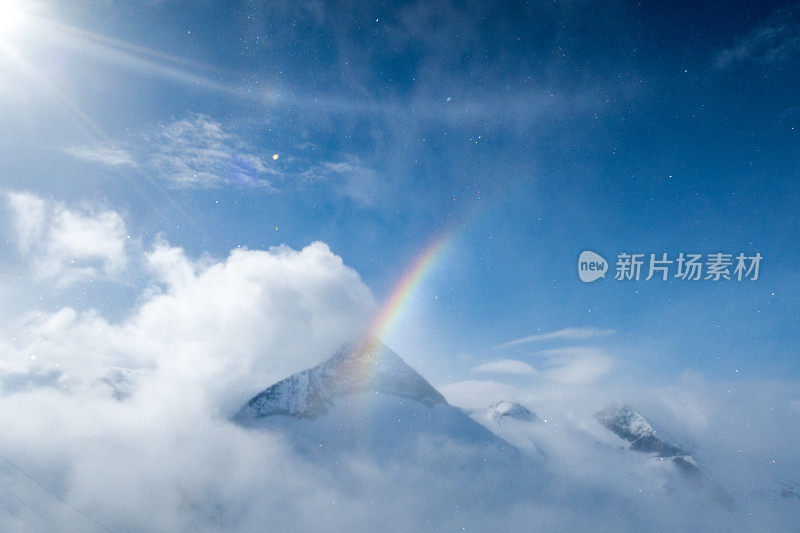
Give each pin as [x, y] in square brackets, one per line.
[540, 130]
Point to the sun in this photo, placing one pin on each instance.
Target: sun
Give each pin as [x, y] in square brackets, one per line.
[11, 15]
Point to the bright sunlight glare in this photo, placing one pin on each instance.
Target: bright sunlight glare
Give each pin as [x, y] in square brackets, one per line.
[11, 15]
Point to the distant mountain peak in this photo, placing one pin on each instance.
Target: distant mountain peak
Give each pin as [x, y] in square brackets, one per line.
[513, 410]
[352, 370]
[628, 424]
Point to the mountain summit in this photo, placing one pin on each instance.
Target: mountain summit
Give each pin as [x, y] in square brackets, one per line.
[368, 402]
[310, 393]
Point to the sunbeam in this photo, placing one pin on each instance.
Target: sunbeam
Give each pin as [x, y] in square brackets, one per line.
[142, 182]
[148, 61]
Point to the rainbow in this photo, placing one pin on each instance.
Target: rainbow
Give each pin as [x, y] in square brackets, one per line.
[409, 282]
[400, 295]
[368, 349]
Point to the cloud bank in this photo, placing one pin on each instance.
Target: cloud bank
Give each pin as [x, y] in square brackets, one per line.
[124, 424]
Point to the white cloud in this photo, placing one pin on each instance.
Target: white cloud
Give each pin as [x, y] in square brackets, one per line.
[506, 366]
[259, 315]
[76, 236]
[218, 330]
[28, 218]
[67, 244]
[566, 333]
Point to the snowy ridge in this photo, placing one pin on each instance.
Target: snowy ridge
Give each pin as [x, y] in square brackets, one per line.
[310, 393]
[625, 422]
[629, 425]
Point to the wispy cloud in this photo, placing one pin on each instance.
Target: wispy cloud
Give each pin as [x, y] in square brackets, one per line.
[573, 364]
[566, 334]
[198, 152]
[351, 178]
[577, 364]
[506, 366]
[774, 41]
[194, 152]
[111, 156]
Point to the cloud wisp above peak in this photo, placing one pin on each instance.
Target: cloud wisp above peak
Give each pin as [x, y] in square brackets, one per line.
[577, 364]
[561, 334]
[569, 365]
[506, 366]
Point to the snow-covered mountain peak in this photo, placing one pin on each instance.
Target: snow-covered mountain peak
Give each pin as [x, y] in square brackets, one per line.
[309, 394]
[625, 422]
[633, 427]
[513, 410]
